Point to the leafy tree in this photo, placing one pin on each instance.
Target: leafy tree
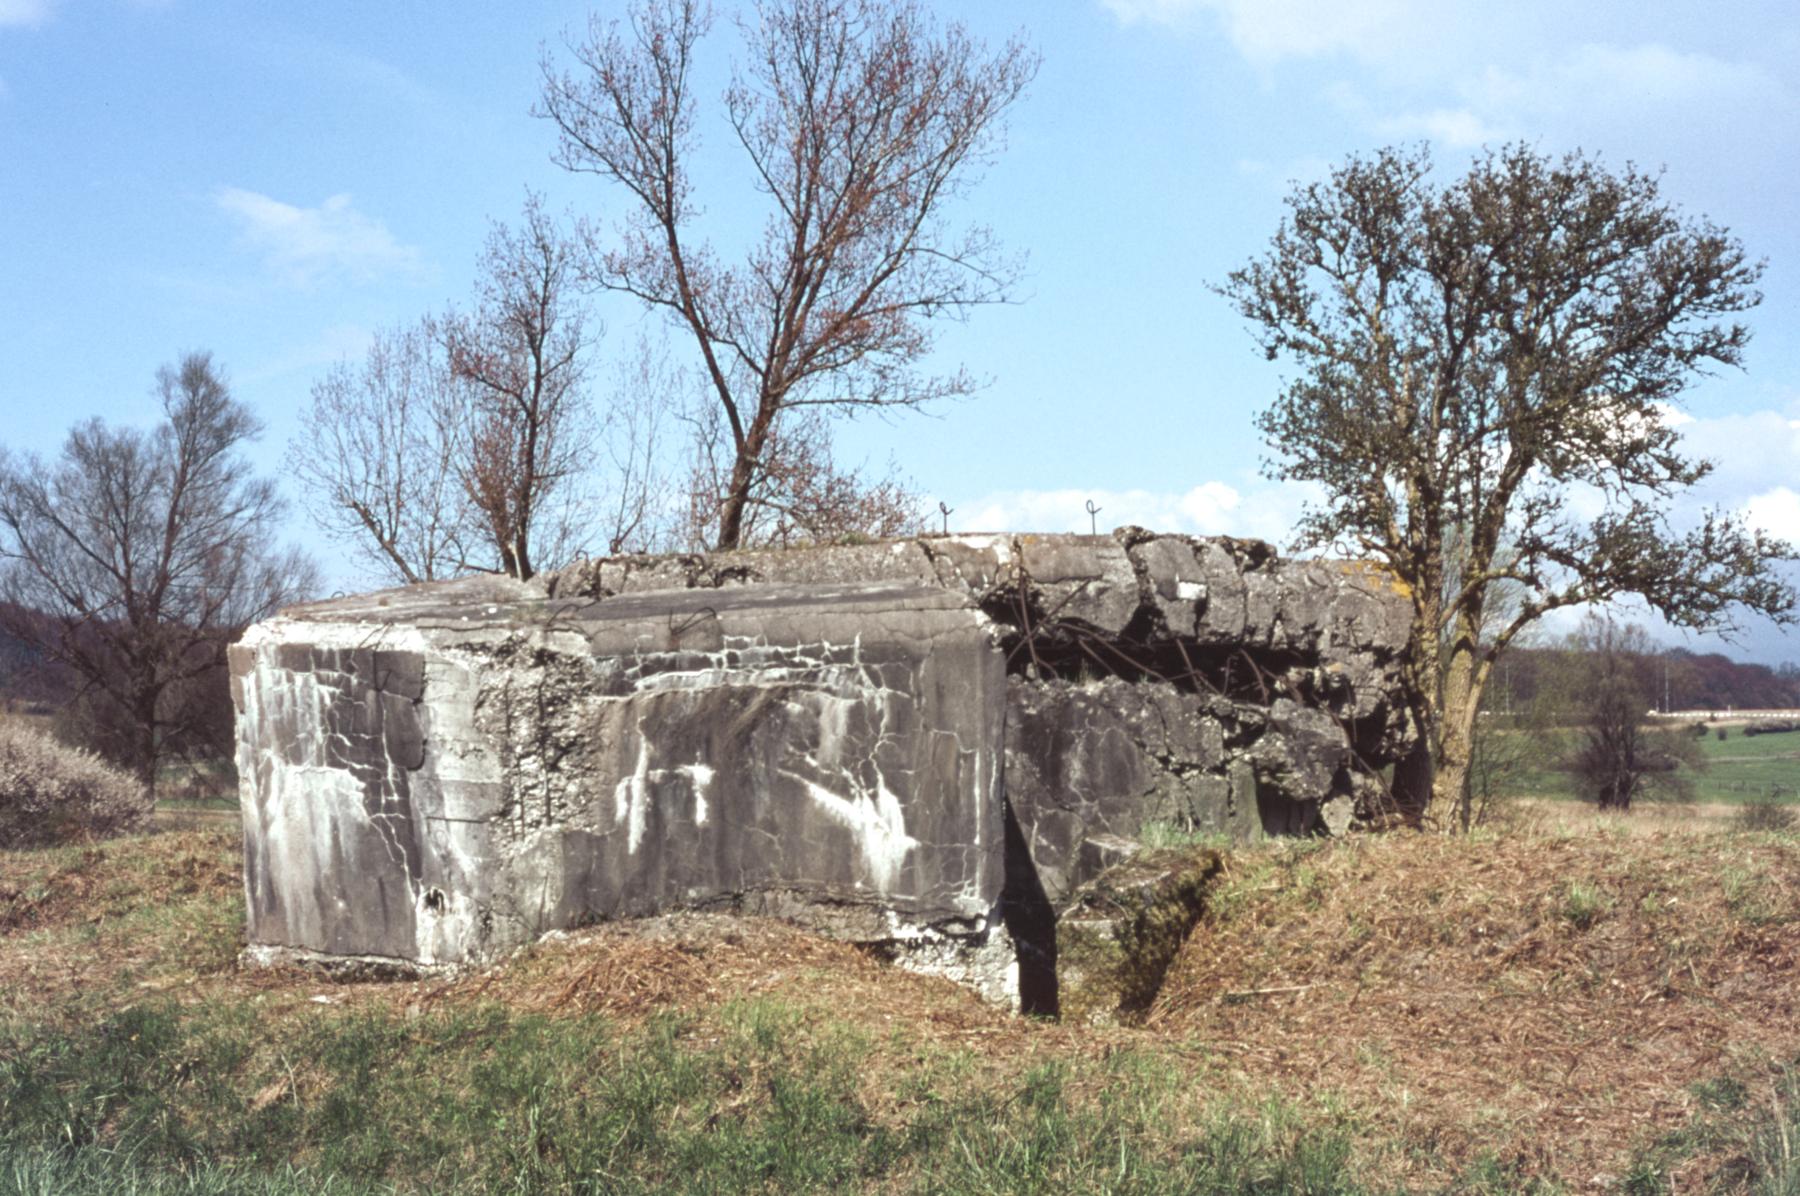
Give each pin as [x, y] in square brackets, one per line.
[862, 125]
[148, 552]
[1468, 354]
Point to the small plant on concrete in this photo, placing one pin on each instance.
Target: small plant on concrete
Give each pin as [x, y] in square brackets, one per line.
[50, 793]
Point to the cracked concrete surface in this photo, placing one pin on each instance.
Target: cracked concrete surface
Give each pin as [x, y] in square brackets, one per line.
[435, 775]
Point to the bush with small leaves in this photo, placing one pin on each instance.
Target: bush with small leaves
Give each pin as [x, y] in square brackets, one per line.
[51, 793]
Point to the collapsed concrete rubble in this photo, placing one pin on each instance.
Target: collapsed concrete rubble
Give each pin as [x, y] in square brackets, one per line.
[928, 745]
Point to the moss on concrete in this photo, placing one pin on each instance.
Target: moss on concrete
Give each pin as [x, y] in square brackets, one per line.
[1119, 936]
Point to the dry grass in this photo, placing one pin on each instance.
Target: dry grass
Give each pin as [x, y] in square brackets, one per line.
[1546, 998]
[1549, 998]
[103, 924]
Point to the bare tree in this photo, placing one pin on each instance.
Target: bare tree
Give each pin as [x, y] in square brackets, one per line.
[525, 426]
[862, 125]
[799, 495]
[376, 457]
[1466, 355]
[1618, 757]
[470, 442]
[637, 492]
[149, 553]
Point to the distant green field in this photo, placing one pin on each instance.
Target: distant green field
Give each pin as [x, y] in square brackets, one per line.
[1739, 768]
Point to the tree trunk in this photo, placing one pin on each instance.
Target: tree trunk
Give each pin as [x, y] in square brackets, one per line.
[1413, 779]
[743, 476]
[144, 709]
[1464, 677]
[731, 512]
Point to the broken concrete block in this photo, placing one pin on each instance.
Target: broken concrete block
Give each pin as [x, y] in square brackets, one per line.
[903, 743]
[565, 760]
[1123, 929]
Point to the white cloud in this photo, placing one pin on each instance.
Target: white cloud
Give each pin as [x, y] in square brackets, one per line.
[1457, 127]
[1266, 31]
[304, 246]
[1588, 93]
[25, 12]
[1777, 512]
[1635, 79]
[1464, 74]
[1655, 73]
[1673, 416]
[337, 342]
[1752, 453]
[1267, 512]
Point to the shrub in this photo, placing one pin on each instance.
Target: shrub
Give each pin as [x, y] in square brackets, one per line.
[50, 793]
[1765, 814]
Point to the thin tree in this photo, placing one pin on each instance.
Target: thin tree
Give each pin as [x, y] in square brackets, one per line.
[469, 441]
[638, 493]
[525, 425]
[148, 552]
[861, 125]
[1468, 355]
[800, 495]
[1618, 757]
[376, 458]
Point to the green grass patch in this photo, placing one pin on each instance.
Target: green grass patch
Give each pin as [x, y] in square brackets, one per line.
[1744, 768]
[1584, 904]
[1747, 1142]
[1738, 769]
[762, 1098]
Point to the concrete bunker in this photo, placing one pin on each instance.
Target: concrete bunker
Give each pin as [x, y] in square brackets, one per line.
[926, 745]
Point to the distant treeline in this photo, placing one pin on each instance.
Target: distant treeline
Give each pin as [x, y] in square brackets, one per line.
[33, 683]
[1527, 677]
[27, 677]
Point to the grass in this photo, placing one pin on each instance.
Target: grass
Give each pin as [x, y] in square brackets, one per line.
[1743, 1134]
[1515, 1011]
[1158, 835]
[1743, 768]
[1739, 769]
[757, 1098]
[1584, 903]
[1480, 1015]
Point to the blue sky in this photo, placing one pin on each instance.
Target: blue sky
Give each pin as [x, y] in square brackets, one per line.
[274, 182]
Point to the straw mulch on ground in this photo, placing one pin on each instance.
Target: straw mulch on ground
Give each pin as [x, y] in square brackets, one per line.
[1546, 999]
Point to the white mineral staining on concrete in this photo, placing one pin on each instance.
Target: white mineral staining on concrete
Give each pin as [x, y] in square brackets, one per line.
[631, 797]
[699, 777]
[878, 824]
[440, 773]
[634, 794]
